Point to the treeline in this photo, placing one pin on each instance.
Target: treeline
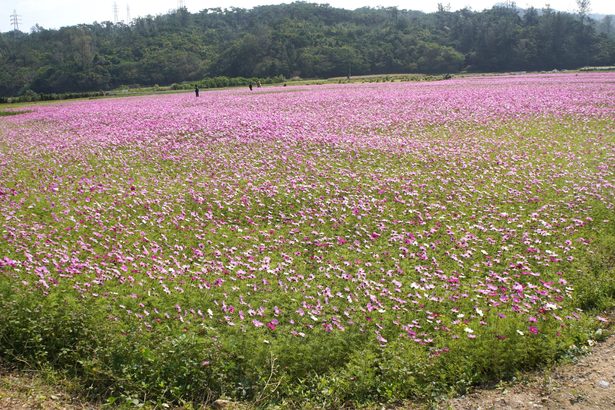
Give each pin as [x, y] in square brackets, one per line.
[299, 39]
[207, 82]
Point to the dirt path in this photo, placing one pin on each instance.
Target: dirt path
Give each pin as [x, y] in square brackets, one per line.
[587, 384]
[23, 391]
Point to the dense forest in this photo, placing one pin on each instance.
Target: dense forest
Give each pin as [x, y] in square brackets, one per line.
[298, 39]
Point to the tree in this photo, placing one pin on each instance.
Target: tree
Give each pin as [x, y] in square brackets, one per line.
[583, 9]
[606, 26]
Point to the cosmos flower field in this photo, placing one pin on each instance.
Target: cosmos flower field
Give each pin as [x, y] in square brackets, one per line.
[333, 245]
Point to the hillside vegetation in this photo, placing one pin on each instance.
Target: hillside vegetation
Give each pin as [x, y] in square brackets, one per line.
[298, 39]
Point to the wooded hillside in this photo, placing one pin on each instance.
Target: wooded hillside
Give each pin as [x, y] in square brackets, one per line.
[298, 39]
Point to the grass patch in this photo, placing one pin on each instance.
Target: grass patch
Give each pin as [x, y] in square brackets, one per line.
[10, 113]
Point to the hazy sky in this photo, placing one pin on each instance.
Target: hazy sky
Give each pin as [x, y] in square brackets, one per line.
[58, 13]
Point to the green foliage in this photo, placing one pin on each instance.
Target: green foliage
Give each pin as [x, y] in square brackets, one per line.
[595, 272]
[8, 113]
[298, 39]
[114, 357]
[31, 96]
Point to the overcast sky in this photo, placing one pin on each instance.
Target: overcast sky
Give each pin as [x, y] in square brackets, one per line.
[58, 13]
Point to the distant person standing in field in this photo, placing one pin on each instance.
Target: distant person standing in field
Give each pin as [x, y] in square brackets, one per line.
[196, 90]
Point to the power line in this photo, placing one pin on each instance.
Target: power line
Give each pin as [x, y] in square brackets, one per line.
[115, 13]
[15, 20]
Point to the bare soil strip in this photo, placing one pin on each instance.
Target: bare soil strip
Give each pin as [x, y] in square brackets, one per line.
[25, 391]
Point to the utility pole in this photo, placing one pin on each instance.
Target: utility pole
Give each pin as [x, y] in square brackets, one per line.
[115, 13]
[127, 14]
[181, 4]
[15, 19]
